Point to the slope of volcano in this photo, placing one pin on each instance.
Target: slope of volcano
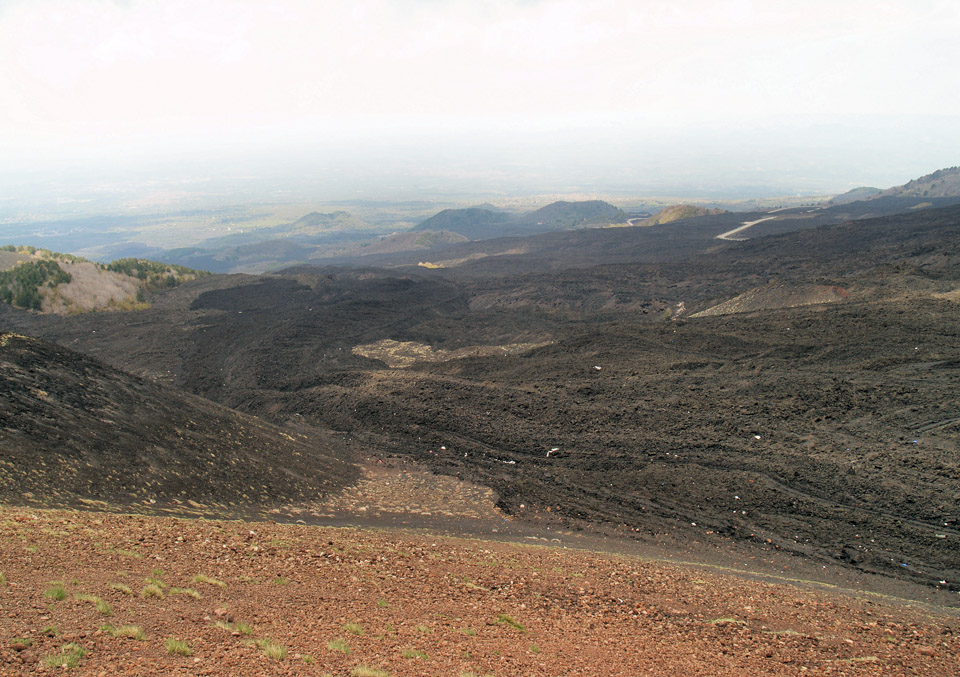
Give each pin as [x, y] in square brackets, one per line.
[827, 431]
[74, 431]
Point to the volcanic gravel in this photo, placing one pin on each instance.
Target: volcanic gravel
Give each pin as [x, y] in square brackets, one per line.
[348, 602]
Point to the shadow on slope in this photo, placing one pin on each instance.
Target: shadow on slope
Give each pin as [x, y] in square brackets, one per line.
[73, 430]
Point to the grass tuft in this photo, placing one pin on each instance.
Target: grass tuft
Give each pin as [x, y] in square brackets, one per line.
[364, 671]
[202, 578]
[101, 605]
[130, 632]
[3, 579]
[424, 630]
[121, 587]
[178, 647]
[339, 645]
[727, 621]
[151, 590]
[353, 628]
[272, 649]
[307, 658]
[412, 653]
[509, 620]
[69, 656]
[56, 592]
[469, 632]
[189, 592]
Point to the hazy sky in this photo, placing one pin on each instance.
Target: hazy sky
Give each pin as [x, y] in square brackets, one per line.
[135, 77]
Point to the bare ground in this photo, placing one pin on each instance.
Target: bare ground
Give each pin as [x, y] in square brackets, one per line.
[419, 605]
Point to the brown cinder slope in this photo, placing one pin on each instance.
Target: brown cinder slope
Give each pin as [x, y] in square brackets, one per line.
[73, 429]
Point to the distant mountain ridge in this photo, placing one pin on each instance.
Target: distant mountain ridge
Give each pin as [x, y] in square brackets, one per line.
[478, 223]
[855, 195]
[941, 183]
[325, 221]
[468, 222]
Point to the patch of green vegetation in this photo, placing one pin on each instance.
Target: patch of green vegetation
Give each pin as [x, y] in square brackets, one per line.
[469, 632]
[178, 647]
[201, 578]
[153, 274]
[101, 605]
[56, 592]
[339, 645]
[280, 580]
[69, 656]
[534, 648]
[413, 653]
[307, 658]
[424, 630]
[243, 628]
[727, 621]
[22, 642]
[3, 579]
[509, 620]
[364, 671]
[189, 592]
[20, 286]
[353, 628]
[383, 604]
[152, 590]
[50, 631]
[127, 553]
[127, 631]
[121, 587]
[272, 649]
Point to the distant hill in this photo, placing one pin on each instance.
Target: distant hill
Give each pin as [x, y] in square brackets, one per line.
[38, 279]
[418, 240]
[319, 221]
[564, 215]
[477, 223]
[73, 429]
[941, 183]
[468, 222]
[861, 193]
[678, 212]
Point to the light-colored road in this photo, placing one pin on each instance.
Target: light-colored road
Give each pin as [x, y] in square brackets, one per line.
[729, 235]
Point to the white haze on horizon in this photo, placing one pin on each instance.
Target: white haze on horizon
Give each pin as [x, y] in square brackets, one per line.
[828, 92]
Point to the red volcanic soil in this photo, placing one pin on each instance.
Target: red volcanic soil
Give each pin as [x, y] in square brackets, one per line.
[341, 601]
